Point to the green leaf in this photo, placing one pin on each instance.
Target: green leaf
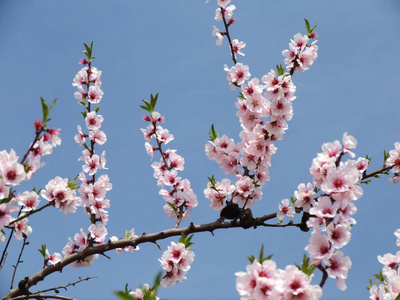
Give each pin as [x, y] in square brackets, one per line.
[212, 133]
[45, 110]
[150, 106]
[186, 240]
[173, 207]
[52, 105]
[73, 184]
[280, 70]
[306, 267]
[123, 295]
[261, 257]
[43, 250]
[212, 180]
[88, 52]
[241, 96]
[308, 26]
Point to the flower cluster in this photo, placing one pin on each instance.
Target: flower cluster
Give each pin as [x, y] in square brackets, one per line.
[393, 161]
[92, 191]
[176, 262]
[265, 281]
[264, 107]
[329, 215]
[300, 55]
[180, 197]
[12, 173]
[389, 288]
[60, 195]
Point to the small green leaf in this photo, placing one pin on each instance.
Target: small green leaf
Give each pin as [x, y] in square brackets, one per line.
[186, 240]
[308, 26]
[280, 70]
[43, 250]
[241, 96]
[212, 133]
[173, 207]
[45, 110]
[212, 180]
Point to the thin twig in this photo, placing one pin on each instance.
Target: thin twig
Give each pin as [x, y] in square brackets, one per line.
[19, 260]
[64, 286]
[42, 296]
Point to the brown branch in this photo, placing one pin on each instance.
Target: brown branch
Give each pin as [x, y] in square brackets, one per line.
[227, 35]
[18, 260]
[42, 296]
[380, 171]
[31, 212]
[324, 275]
[25, 284]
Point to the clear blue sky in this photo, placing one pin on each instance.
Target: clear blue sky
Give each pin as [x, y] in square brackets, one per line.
[166, 47]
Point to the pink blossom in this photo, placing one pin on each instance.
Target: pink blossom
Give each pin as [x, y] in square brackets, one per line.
[339, 234]
[176, 262]
[80, 94]
[98, 232]
[394, 159]
[13, 172]
[297, 285]
[349, 143]
[98, 136]
[163, 135]
[285, 209]
[29, 200]
[22, 229]
[80, 137]
[53, 258]
[4, 189]
[95, 94]
[92, 164]
[80, 78]
[218, 35]
[319, 247]
[228, 12]
[338, 267]
[238, 74]
[238, 46]
[5, 213]
[93, 121]
[304, 196]
[139, 293]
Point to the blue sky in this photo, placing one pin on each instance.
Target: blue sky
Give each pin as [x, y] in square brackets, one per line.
[166, 47]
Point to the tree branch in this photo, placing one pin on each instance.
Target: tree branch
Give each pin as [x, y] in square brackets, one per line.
[25, 284]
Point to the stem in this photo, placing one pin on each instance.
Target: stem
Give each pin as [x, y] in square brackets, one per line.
[228, 36]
